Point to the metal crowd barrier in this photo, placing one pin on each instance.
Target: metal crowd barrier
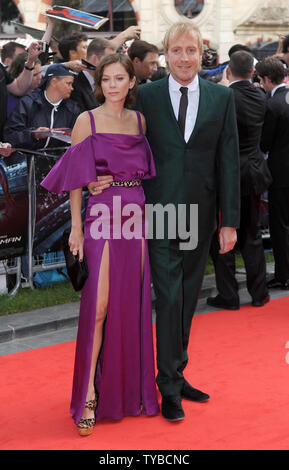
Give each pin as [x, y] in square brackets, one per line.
[35, 262]
[12, 266]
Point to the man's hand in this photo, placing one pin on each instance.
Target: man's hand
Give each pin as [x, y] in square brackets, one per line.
[132, 32]
[76, 65]
[227, 239]
[37, 134]
[33, 53]
[96, 187]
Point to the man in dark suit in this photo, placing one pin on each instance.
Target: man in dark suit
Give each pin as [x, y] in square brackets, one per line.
[275, 140]
[191, 127]
[145, 57]
[192, 130]
[255, 178]
[84, 85]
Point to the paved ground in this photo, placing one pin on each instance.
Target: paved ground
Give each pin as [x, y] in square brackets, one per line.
[53, 325]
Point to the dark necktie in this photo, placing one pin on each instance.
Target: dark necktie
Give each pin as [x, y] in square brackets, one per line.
[183, 109]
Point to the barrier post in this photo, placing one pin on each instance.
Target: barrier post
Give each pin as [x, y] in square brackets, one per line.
[31, 218]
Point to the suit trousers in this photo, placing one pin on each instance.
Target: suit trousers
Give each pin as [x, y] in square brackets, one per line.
[250, 244]
[177, 278]
[279, 230]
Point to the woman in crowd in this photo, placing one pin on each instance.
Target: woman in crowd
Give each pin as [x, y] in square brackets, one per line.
[114, 364]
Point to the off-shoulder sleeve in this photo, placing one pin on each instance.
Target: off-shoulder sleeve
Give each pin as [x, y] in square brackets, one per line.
[151, 164]
[75, 169]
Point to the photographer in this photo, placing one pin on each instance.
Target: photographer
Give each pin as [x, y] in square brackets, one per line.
[19, 85]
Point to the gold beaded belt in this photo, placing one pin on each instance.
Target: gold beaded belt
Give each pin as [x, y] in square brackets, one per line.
[127, 184]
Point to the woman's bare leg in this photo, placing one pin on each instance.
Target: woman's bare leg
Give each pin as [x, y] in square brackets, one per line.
[101, 310]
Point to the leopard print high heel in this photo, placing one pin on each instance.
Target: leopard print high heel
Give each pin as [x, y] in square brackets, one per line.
[86, 425]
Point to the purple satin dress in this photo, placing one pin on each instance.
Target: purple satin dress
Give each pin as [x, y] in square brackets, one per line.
[125, 374]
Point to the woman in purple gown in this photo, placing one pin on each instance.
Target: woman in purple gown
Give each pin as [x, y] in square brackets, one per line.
[114, 372]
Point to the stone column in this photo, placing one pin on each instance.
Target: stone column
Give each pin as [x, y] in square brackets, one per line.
[224, 27]
[32, 12]
[148, 20]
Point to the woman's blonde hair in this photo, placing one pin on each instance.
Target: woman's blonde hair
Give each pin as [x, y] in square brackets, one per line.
[182, 27]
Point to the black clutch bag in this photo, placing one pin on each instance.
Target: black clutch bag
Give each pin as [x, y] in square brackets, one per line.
[76, 270]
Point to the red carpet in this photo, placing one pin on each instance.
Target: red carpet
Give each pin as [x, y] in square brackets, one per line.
[239, 358]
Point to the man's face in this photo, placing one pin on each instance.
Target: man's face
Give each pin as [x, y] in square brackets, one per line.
[184, 57]
[64, 86]
[266, 84]
[96, 59]
[145, 69]
[18, 50]
[80, 52]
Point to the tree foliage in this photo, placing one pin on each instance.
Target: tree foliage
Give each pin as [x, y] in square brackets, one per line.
[8, 11]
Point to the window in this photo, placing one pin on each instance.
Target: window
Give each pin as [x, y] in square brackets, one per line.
[189, 8]
[120, 13]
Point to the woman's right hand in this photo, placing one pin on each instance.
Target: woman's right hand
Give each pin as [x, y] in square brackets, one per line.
[75, 242]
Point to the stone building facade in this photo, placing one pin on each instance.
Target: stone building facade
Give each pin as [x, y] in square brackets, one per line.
[222, 22]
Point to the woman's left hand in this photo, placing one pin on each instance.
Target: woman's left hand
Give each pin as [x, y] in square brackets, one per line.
[75, 242]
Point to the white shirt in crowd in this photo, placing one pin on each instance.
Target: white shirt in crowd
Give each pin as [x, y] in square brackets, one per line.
[193, 102]
[276, 88]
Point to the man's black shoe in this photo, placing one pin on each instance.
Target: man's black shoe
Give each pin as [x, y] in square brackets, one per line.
[172, 408]
[190, 393]
[275, 284]
[260, 303]
[219, 302]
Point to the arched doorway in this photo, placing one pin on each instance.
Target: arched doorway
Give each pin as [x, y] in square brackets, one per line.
[189, 8]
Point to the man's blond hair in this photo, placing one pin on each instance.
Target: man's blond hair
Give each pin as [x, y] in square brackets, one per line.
[180, 28]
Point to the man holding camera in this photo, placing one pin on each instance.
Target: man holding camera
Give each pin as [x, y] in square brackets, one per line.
[19, 85]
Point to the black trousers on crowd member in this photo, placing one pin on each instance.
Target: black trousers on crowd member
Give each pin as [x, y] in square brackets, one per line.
[249, 242]
[279, 230]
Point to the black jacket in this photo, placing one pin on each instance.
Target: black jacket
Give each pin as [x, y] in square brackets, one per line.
[32, 112]
[5, 79]
[275, 137]
[83, 94]
[250, 105]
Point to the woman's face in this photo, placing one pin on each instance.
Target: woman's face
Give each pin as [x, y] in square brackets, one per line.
[115, 83]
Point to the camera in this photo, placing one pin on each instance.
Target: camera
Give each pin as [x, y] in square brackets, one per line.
[42, 46]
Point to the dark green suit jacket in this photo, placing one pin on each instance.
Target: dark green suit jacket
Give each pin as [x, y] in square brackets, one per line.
[204, 170]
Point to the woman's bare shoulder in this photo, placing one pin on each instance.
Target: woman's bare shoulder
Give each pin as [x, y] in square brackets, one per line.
[143, 122]
[81, 129]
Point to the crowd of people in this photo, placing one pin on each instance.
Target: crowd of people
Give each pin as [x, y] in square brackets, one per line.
[180, 139]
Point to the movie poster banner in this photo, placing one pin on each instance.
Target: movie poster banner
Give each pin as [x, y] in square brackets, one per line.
[14, 205]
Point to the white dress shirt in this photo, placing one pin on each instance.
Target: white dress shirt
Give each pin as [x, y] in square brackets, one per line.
[54, 109]
[193, 102]
[276, 88]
